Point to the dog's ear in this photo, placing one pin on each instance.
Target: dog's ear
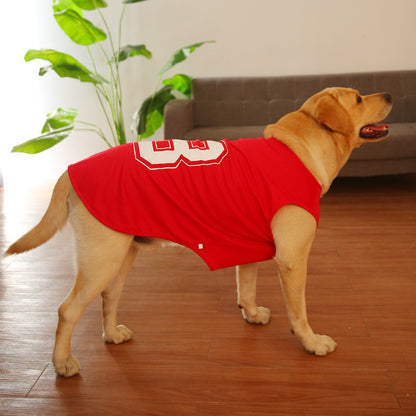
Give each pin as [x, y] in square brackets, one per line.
[329, 112]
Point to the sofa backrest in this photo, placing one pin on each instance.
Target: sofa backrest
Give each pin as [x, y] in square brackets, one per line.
[244, 101]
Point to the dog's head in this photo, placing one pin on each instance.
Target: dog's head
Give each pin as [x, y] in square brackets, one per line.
[346, 111]
[329, 125]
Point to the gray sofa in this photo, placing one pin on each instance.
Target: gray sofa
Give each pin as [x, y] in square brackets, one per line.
[235, 108]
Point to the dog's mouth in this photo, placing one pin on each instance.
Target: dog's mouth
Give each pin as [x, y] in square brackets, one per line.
[374, 131]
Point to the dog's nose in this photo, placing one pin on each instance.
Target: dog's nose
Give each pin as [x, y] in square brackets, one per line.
[388, 98]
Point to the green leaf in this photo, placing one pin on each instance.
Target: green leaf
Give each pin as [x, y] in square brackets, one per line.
[64, 65]
[181, 54]
[80, 30]
[57, 127]
[43, 142]
[90, 4]
[180, 82]
[60, 5]
[154, 121]
[133, 50]
[132, 1]
[155, 102]
[61, 118]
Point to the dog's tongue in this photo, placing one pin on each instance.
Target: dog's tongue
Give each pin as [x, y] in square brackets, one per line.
[374, 130]
[378, 127]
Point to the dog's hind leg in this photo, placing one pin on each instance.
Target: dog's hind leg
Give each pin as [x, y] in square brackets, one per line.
[100, 256]
[96, 271]
[246, 290]
[113, 333]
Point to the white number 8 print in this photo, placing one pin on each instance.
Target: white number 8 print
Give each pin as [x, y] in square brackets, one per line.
[169, 154]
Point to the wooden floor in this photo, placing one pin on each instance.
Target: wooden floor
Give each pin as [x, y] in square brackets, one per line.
[192, 354]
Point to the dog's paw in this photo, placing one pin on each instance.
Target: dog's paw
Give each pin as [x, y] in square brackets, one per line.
[117, 335]
[67, 367]
[320, 345]
[260, 317]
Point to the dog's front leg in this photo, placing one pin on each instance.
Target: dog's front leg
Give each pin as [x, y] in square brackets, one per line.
[294, 230]
[246, 290]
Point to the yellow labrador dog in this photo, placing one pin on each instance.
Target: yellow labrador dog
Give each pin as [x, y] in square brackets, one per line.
[322, 134]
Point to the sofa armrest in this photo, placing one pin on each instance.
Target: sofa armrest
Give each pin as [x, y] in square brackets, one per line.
[179, 118]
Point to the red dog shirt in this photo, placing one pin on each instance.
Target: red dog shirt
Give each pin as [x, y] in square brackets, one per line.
[217, 198]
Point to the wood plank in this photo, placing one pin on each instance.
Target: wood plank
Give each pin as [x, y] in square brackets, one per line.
[261, 409]
[90, 407]
[404, 382]
[311, 387]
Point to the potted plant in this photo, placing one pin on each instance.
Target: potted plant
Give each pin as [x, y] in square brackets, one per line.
[69, 15]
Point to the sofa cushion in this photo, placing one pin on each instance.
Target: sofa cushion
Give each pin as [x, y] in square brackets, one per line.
[225, 132]
[246, 101]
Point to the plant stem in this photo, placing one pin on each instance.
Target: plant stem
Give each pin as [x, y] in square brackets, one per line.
[115, 82]
[95, 129]
[105, 94]
[118, 72]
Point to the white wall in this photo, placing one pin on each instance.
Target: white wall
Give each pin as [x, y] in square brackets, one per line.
[263, 37]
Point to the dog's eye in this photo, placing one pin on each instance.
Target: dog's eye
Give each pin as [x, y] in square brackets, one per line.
[359, 99]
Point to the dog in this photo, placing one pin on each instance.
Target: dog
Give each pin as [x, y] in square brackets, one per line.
[318, 138]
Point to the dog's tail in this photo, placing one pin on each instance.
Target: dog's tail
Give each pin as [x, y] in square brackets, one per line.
[54, 219]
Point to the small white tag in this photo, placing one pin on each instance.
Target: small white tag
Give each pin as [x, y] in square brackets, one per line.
[200, 246]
